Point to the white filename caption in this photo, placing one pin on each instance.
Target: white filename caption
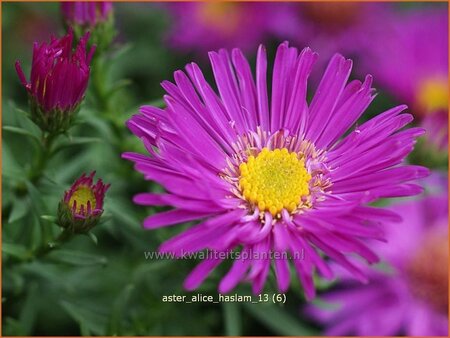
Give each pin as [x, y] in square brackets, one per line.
[279, 298]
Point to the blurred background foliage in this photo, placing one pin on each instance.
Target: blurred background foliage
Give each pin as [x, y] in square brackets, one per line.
[108, 288]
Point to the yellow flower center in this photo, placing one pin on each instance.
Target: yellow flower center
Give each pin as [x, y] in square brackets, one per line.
[433, 95]
[82, 195]
[274, 180]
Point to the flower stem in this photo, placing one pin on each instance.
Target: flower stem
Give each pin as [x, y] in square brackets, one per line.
[41, 251]
[98, 85]
[103, 101]
[43, 157]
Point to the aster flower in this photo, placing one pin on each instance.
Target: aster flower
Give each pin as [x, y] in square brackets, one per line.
[209, 25]
[93, 16]
[412, 64]
[268, 177]
[327, 27]
[411, 297]
[58, 82]
[82, 205]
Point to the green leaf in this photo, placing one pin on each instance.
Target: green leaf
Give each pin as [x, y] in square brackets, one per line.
[21, 131]
[232, 318]
[76, 141]
[90, 321]
[15, 250]
[147, 269]
[100, 124]
[49, 218]
[40, 232]
[118, 86]
[84, 330]
[320, 303]
[323, 284]
[19, 210]
[119, 310]
[13, 280]
[160, 103]
[92, 237]
[36, 196]
[122, 213]
[24, 120]
[27, 316]
[121, 51]
[12, 327]
[281, 322]
[10, 167]
[73, 169]
[77, 258]
[52, 181]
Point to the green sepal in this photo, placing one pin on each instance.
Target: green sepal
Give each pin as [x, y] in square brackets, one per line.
[102, 34]
[55, 121]
[74, 224]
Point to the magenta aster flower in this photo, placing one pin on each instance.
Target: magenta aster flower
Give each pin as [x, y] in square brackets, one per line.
[412, 297]
[411, 60]
[58, 82]
[82, 205]
[272, 176]
[209, 25]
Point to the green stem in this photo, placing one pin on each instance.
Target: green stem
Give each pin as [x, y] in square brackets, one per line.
[41, 251]
[44, 249]
[98, 84]
[43, 157]
[100, 91]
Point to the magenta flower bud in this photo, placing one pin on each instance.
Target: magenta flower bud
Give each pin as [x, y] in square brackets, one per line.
[82, 205]
[94, 17]
[86, 13]
[58, 81]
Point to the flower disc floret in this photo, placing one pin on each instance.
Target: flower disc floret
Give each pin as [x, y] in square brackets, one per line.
[82, 196]
[274, 180]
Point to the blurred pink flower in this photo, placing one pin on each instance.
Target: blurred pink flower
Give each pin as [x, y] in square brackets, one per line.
[410, 60]
[211, 25]
[411, 297]
[330, 27]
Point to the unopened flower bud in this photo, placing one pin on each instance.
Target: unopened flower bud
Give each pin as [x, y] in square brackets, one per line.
[82, 205]
[94, 17]
[58, 82]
